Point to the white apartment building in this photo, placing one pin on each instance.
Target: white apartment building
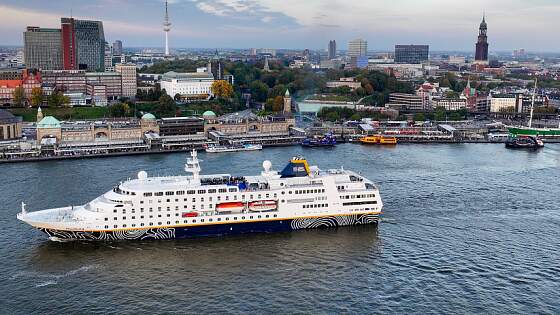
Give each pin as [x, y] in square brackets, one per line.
[449, 103]
[128, 78]
[187, 84]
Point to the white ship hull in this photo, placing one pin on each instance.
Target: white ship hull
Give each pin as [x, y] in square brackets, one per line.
[189, 206]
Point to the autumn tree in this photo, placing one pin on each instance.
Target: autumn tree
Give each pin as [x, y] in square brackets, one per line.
[278, 104]
[37, 96]
[222, 89]
[19, 96]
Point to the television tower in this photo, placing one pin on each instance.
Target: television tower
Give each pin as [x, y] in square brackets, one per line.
[166, 29]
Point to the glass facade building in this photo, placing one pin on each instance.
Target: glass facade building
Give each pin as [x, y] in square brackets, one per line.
[411, 53]
[42, 49]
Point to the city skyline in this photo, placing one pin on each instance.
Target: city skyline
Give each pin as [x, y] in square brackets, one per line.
[203, 23]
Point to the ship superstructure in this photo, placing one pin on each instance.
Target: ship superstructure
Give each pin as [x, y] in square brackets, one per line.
[298, 197]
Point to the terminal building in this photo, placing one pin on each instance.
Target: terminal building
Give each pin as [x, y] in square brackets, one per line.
[10, 126]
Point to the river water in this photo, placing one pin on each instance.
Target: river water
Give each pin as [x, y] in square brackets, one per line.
[467, 228]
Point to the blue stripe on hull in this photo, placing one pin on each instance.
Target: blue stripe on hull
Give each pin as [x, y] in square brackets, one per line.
[216, 229]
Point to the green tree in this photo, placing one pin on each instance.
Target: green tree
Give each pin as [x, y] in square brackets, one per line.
[419, 117]
[439, 113]
[119, 110]
[332, 116]
[19, 96]
[356, 117]
[166, 106]
[36, 96]
[259, 91]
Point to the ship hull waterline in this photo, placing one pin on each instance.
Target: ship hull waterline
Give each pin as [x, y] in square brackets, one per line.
[213, 230]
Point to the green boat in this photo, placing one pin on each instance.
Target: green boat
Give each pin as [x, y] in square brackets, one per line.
[531, 131]
[528, 131]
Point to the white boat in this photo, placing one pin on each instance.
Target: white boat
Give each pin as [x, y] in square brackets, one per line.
[233, 148]
[262, 205]
[298, 197]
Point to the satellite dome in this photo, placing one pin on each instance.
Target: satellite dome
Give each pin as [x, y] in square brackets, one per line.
[142, 175]
[267, 165]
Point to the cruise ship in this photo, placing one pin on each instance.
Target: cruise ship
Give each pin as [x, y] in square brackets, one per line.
[299, 197]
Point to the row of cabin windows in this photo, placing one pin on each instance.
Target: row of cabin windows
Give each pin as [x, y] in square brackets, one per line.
[194, 220]
[219, 198]
[323, 205]
[307, 191]
[358, 203]
[358, 196]
[190, 192]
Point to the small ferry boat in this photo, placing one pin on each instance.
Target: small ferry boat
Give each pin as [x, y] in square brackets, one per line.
[147, 208]
[524, 142]
[233, 148]
[378, 140]
[327, 141]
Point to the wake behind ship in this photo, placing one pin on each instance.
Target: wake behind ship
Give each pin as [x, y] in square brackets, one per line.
[299, 197]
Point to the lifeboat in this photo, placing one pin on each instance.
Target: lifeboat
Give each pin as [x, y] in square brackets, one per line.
[190, 214]
[230, 207]
[263, 205]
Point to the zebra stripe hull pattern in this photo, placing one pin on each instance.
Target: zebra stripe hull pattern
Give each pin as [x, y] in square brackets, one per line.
[215, 230]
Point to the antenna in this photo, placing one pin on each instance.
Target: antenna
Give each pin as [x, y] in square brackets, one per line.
[533, 103]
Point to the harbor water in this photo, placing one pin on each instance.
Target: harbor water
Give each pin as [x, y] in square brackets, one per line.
[466, 228]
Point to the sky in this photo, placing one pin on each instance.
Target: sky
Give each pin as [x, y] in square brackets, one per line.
[443, 24]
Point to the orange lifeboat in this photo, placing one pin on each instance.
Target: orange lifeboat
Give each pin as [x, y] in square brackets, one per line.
[191, 214]
[230, 207]
[263, 205]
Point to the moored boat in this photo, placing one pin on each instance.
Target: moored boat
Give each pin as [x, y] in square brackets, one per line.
[326, 141]
[233, 148]
[524, 142]
[384, 140]
[262, 205]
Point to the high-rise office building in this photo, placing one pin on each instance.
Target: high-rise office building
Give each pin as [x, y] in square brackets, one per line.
[332, 49]
[83, 44]
[411, 53]
[117, 47]
[481, 55]
[42, 48]
[357, 47]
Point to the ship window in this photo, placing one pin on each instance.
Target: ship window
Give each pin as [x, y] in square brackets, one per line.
[141, 217]
[219, 198]
[115, 218]
[209, 220]
[267, 215]
[211, 191]
[243, 197]
[147, 194]
[275, 215]
[193, 221]
[168, 209]
[181, 192]
[106, 226]
[227, 219]
[259, 216]
[115, 211]
[168, 200]
[133, 225]
[141, 201]
[194, 200]
[232, 190]
[168, 222]
[141, 224]
[159, 223]
[169, 193]
[159, 208]
[242, 218]
[202, 191]
[176, 222]
[133, 217]
[235, 218]
[176, 200]
[158, 194]
[267, 195]
[202, 199]
[151, 216]
[115, 226]
[290, 192]
[106, 219]
[190, 192]
[227, 197]
[151, 223]
[219, 219]
[168, 215]
[222, 190]
[201, 220]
